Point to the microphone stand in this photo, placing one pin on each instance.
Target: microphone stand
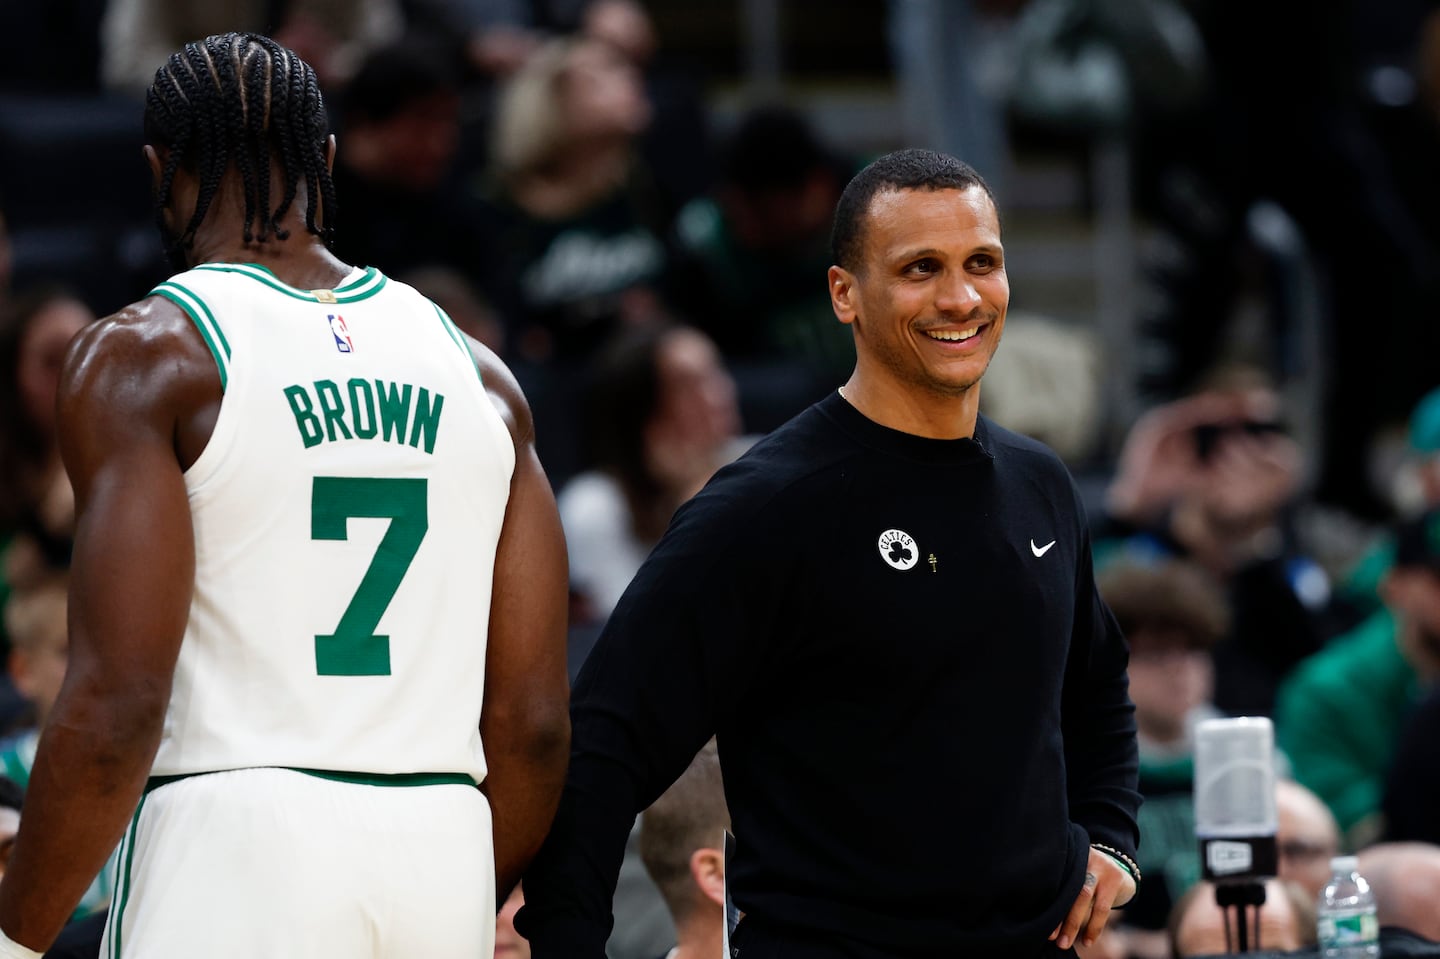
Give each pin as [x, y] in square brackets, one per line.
[1232, 898]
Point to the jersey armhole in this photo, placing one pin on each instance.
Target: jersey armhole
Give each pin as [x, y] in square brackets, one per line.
[204, 321]
[459, 339]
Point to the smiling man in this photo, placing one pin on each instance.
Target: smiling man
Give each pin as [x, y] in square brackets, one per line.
[886, 614]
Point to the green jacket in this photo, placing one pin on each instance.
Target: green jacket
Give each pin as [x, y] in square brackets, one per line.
[1338, 715]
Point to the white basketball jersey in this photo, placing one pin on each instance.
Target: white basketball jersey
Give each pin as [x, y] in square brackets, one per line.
[346, 514]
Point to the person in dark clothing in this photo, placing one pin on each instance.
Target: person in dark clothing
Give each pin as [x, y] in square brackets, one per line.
[400, 121]
[886, 613]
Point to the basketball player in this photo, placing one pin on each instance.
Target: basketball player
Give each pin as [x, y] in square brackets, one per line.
[319, 580]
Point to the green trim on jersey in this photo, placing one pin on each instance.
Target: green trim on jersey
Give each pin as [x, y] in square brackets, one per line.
[204, 321]
[459, 339]
[339, 776]
[367, 285]
[123, 865]
[389, 779]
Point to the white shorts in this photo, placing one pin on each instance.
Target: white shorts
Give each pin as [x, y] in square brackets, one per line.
[279, 863]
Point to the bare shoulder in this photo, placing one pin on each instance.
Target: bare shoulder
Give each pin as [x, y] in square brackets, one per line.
[504, 392]
[141, 368]
[152, 338]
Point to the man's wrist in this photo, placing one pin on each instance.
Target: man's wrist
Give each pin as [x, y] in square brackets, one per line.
[10, 949]
[1120, 859]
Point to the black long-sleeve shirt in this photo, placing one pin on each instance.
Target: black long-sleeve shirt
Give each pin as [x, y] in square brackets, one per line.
[920, 700]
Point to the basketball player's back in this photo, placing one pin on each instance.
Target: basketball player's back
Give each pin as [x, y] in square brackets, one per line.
[317, 683]
[347, 510]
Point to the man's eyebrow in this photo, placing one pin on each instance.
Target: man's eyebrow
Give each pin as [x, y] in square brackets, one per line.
[917, 254]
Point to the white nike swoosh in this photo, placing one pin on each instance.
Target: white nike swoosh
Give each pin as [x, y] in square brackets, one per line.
[1041, 550]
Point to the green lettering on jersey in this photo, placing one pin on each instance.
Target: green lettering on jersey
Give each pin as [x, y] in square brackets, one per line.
[305, 419]
[394, 409]
[334, 410]
[362, 409]
[427, 419]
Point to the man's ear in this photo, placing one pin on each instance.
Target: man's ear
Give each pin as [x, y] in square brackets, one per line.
[707, 868]
[156, 165]
[843, 294]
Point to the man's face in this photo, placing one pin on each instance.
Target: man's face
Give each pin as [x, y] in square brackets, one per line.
[1169, 677]
[928, 301]
[1413, 593]
[1306, 835]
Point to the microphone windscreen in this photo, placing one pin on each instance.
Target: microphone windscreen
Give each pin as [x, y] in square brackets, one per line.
[1235, 818]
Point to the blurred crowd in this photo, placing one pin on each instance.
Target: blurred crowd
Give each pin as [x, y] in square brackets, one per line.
[559, 181]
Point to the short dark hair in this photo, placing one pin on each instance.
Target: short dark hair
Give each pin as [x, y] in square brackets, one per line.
[200, 107]
[901, 170]
[1169, 600]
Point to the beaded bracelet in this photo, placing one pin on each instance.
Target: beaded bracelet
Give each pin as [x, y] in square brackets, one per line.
[1124, 861]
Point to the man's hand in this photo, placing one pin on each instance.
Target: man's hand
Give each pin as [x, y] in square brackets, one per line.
[1107, 885]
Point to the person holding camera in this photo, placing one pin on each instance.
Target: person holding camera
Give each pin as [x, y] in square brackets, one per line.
[1214, 478]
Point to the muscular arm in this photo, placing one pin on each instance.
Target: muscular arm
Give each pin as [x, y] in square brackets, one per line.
[130, 588]
[525, 722]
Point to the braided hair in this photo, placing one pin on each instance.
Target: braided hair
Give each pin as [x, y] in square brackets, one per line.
[241, 99]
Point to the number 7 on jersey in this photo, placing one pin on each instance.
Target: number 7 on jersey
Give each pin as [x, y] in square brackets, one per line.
[354, 649]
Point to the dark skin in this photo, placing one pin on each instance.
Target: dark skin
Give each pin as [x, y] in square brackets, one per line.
[138, 401]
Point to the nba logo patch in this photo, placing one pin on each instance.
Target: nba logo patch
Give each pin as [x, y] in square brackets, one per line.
[341, 332]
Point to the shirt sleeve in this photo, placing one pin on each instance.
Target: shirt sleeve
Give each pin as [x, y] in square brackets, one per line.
[1102, 758]
[670, 667]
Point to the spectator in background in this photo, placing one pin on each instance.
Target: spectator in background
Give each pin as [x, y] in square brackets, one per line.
[37, 507]
[1416, 486]
[682, 844]
[1306, 835]
[509, 944]
[750, 253]
[35, 619]
[1411, 803]
[1339, 716]
[334, 35]
[399, 131]
[1173, 615]
[461, 301]
[570, 228]
[1198, 927]
[1214, 478]
[12, 798]
[662, 419]
[1405, 878]
[1046, 383]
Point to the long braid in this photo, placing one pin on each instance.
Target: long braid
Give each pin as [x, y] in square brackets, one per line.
[212, 122]
[321, 186]
[282, 117]
[255, 95]
[240, 101]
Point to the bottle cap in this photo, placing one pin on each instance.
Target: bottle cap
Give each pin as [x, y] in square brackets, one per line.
[1345, 864]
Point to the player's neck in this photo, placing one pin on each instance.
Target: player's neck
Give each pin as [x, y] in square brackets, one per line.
[301, 260]
[912, 410]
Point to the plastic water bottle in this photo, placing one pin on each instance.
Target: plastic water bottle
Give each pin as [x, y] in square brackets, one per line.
[1347, 925]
